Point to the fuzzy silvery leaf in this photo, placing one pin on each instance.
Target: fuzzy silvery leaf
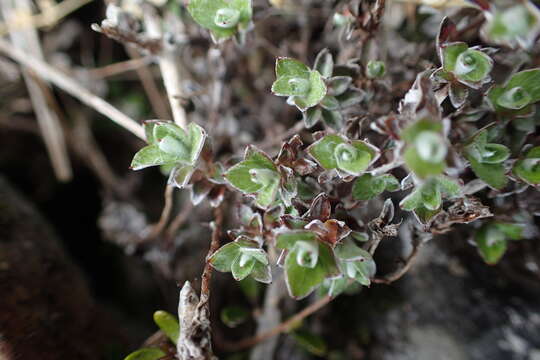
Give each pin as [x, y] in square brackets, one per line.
[223, 258]
[350, 98]
[450, 54]
[337, 85]
[486, 160]
[317, 92]
[516, 25]
[288, 240]
[458, 94]
[492, 174]
[528, 168]
[181, 175]
[291, 86]
[324, 63]
[257, 175]
[335, 152]
[223, 18]
[473, 66]
[301, 280]
[291, 67]
[169, 145]
[367, 186]
[330, 103]
[521, 90]
[491, 243]
[332, 119]
[168, 323]
[242, 266]
[312, 116]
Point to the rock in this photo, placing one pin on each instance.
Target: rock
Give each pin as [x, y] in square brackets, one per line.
[456, 315]
[46, 308]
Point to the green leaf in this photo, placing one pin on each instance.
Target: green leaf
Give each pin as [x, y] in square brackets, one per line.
[146, 354]
[151, 155]
[524, 85]
[491, 243]
[197, 137]
[431, 196]
[450, 54]
[169, 145]
[317, 92]
[232, 316]
[473, 65]
[324, 63]
[347, 250]
[262, 273]
[310, 342]
[350, 98]
[168, 324]
[352, 159]
[242, 266]
[256, 174]
[511, 231]
[221, 17]
[181, 175]
[301, 280]
[291, 67]
[312, 116]
[224, 257]
[366, 187]
[528, 168]
[448, 186]
[337, 85]
[492, 174]
[422, 168]
[291, 86]
[287, 240]
[412, 201]
[330, 103]
[375, 69]
[250, 287]
[332, 119]
[323, 151]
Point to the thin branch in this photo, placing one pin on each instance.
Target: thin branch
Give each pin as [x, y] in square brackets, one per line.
[165, 213]
[49, 123]
[396, 275]
[157, 101]
[66, 83]
[281, 328]
[168, 64]
[179, 220]
[214, 245]
[119, 67]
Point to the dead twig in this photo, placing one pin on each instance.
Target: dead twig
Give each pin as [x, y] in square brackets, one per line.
[396, 275]
[195, 342]
[168, 65]
[165, 213]
[179, 220]
[49, 124]
[69, 85]
[281, 328]
[119, 67]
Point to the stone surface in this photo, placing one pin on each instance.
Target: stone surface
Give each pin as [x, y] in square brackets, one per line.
[46, 308]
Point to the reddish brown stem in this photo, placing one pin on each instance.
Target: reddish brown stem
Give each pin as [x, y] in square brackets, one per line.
[214, 245]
